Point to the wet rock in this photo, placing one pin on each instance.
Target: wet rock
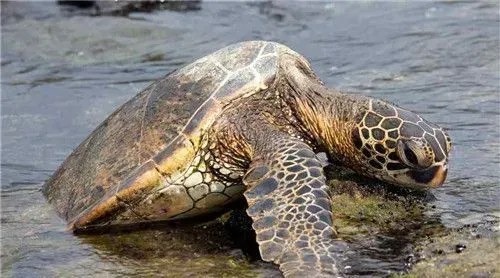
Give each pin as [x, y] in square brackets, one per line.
[480, 260]
[123, 8]
[460, 247]
[79, 4]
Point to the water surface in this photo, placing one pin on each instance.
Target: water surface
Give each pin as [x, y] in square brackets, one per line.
[63, 74]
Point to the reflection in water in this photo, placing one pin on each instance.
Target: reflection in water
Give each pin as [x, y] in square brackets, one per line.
[62, 75]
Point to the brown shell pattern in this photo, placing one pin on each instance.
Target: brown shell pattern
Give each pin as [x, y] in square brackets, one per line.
[158, 130]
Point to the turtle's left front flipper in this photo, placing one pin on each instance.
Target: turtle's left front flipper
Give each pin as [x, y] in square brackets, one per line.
[290, 207]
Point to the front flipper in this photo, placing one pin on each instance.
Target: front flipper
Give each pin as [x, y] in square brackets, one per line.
[290, 207]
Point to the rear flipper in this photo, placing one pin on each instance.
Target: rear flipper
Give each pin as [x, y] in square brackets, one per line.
[290, 207]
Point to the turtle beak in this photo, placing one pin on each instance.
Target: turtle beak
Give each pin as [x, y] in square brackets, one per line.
[433, 176]
[439, 176]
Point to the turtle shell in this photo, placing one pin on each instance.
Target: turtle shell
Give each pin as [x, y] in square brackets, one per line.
[155, 134]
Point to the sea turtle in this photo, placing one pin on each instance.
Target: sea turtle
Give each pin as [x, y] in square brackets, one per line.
[247, 120]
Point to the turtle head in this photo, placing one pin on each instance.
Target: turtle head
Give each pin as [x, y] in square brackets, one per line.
[399, 147]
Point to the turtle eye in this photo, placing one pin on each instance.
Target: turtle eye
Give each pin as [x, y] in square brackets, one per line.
[411, 155]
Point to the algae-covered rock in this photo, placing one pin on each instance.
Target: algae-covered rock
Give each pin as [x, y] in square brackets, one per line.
[364, 206]
[366, 209]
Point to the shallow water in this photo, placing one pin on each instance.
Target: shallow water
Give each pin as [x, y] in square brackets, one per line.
[62, 75]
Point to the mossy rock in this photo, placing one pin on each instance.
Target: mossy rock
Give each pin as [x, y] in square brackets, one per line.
[367, 207]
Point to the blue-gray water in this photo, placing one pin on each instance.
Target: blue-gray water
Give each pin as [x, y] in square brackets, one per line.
[62, 75]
